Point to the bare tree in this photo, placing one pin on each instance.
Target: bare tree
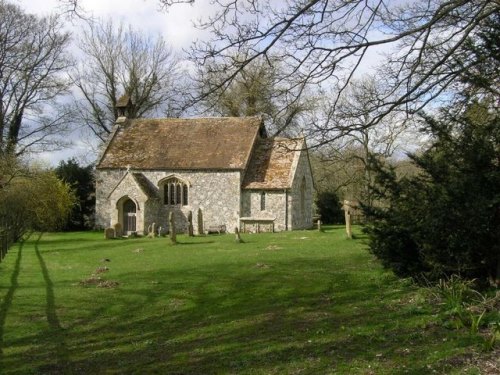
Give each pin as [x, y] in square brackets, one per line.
[33, 62]
[117, 62]
[357, 140]
[256, 90]
[326, 41]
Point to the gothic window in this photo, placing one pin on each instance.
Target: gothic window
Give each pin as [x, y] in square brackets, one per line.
[262, 201]
[175, 192]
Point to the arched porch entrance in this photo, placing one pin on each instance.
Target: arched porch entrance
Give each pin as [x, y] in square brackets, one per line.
[129, 218]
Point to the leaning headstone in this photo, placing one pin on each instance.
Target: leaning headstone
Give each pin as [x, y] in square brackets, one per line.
[190, 224]
[118, 230]
[200, 222]
[237, 235]
[347, 215]
[171, 228]
[109, 233]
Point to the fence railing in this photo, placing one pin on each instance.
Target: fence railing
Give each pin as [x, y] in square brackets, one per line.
[6, 239]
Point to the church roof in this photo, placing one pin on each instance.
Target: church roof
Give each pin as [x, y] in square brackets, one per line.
[147, 188]
[271, 166]
[191, 143]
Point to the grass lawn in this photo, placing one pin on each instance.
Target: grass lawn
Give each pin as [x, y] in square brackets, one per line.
[286, 303]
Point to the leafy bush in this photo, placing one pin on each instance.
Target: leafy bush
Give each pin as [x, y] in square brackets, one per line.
[329, 208]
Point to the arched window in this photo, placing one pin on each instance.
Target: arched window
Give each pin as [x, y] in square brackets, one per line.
[263, 201]
[175, 192]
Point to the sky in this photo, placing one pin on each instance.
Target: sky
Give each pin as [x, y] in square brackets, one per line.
[175, 26]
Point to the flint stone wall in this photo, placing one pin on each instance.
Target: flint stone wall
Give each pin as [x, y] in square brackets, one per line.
[297, 218]
[217, 193]
[275, 207]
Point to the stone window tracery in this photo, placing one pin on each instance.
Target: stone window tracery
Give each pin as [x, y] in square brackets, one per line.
[175, 192]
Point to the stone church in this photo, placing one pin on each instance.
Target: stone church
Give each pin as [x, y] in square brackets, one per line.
[225, 171]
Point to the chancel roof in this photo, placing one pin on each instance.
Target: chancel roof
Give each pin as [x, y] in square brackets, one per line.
[188, 144]
[272, 163]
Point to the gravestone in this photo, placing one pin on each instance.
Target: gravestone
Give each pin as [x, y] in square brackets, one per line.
[190, 224]
[237, 235]
[109, 233]
[152, 230]
[118, 230]
[347, 214]
[171, 228]
[200, 222]
[319, 226]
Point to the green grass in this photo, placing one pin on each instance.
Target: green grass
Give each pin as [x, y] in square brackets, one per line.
[286, 303]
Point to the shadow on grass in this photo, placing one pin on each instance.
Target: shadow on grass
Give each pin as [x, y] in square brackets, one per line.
[292, 315]
[56, 331]
[7, 300]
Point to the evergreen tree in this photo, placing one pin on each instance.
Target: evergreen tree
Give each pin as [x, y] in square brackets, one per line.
[446, 220]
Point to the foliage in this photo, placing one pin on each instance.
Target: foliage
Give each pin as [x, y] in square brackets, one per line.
[281, 303]
[81, 180]
[33, 199]
[329, 208]
[461, 305]
[445, 220]
[33, 57]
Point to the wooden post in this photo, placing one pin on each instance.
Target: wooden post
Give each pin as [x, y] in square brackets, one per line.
[171, 228]
[347, 219]
[200, 222]
[190, 224]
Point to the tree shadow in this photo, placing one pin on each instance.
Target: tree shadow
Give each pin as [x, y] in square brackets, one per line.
[57, 332]
[7, 301]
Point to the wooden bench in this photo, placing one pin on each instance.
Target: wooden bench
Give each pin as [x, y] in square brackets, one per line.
[216, 229]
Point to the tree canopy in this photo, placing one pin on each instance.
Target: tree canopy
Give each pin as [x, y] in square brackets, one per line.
[33, 60]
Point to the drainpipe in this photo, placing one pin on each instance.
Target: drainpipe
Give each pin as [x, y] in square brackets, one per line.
[286, 209]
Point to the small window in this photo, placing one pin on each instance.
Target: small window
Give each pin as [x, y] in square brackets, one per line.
[175, 192]
[184, 195]
[262, 201]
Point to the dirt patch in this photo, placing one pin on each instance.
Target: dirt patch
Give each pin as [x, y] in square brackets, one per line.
[101, 270]
[138, 250]
[274, 247]
[107, 284]
[92, 280]
[262, 265]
